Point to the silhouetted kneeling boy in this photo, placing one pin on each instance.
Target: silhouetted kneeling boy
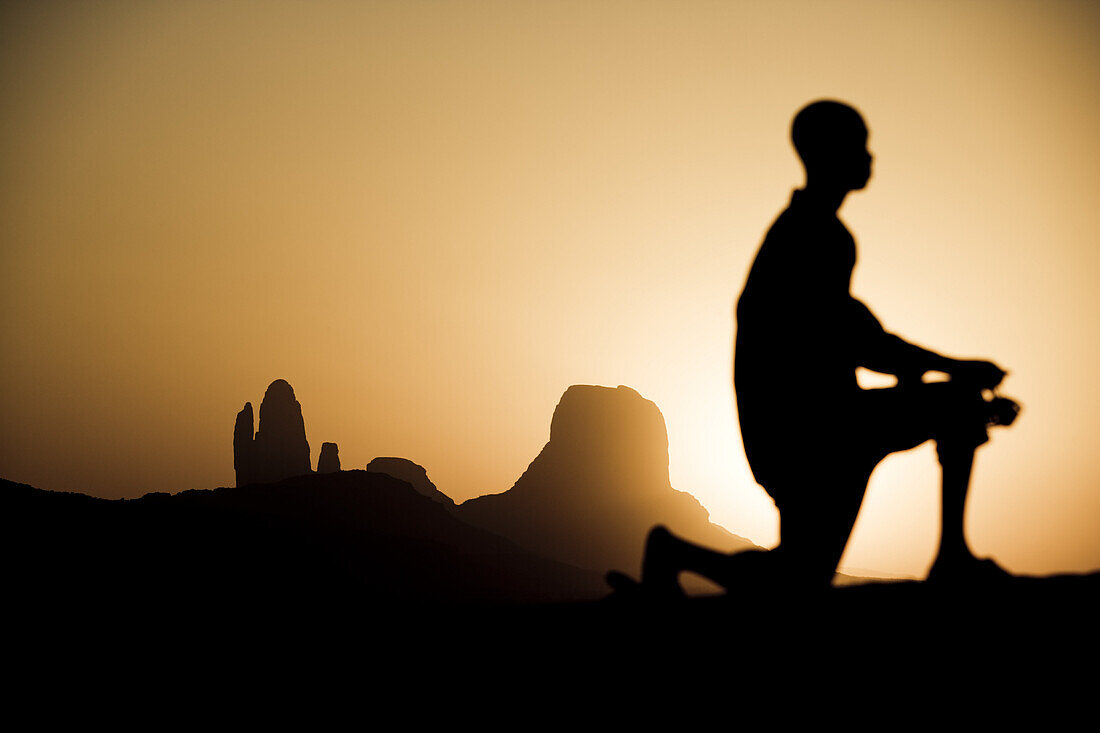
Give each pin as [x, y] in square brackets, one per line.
[812, 436]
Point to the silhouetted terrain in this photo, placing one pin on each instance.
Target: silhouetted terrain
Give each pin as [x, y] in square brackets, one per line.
[598, 486]
[283, 585]
[379, 569]
[350, 536]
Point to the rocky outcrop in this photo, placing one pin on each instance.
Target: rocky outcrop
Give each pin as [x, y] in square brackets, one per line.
[416, 475]
[244, 447]
[279, 449]
[329, 460]
[598, 487]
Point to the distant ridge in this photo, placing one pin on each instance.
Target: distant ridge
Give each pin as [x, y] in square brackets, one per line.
[350, 536]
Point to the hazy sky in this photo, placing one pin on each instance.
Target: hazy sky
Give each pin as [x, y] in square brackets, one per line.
[433, 217]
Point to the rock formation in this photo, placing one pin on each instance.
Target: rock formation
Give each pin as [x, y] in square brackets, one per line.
[598, 486]
[244, 447]
[279, 449]
[406, 470]
[329, 460]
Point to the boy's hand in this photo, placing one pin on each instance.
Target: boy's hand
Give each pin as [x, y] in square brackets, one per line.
[981, 374]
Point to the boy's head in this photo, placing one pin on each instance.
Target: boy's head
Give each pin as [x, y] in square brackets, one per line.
[831, 139]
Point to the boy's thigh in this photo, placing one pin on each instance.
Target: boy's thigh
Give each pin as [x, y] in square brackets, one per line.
[899, 418]
[816, 518]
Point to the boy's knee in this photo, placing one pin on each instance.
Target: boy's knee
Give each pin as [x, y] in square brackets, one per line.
[961, 436]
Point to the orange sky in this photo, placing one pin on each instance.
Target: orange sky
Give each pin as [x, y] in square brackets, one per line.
[433, 217]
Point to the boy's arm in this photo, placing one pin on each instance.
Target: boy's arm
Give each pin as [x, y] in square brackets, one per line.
[884, 352]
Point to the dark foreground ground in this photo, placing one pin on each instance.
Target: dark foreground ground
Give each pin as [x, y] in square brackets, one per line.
[126, 605]
[892, 656]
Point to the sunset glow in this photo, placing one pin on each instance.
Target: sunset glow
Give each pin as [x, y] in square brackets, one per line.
[433, 218]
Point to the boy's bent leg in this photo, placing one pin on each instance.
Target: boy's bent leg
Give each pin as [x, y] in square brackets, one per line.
[955, 561]
[958, 422]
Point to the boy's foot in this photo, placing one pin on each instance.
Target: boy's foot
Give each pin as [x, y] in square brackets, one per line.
[971, 571]
[622, 584]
